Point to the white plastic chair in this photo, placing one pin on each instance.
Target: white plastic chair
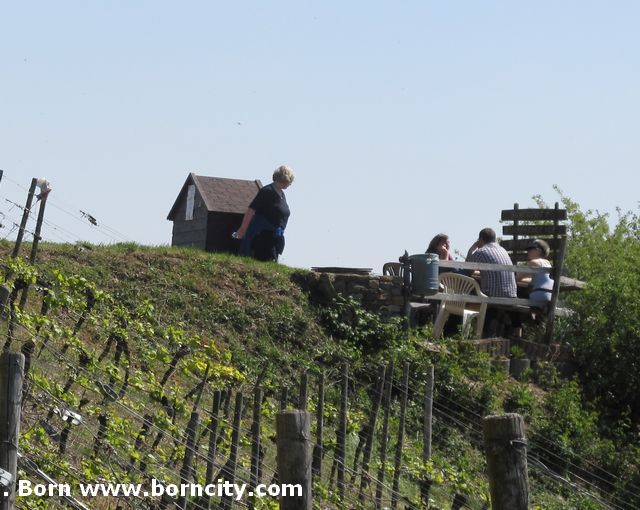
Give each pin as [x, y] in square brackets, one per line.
[454, 283]
[393, 269]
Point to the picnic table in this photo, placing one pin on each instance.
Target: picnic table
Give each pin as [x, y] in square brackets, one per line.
[506, 304]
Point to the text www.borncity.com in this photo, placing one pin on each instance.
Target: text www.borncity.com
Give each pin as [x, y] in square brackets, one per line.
[221, 488]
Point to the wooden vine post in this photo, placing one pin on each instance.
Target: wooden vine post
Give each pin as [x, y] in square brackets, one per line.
[303, 395]
[395, 493]
[365, 477]
[189, 453]
[211, 454]
[25, 218]
[386, 404]
[229, 469]
[255, 443]
[506, 453]
[341, 452]
[427, 432]
[294, 458]
[318, 451]
[11, 376]
[34, 245]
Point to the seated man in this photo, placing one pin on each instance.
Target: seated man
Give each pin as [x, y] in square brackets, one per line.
[488, 251]
[495, 283]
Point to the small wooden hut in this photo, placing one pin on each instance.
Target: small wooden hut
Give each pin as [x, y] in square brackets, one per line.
[208, 210]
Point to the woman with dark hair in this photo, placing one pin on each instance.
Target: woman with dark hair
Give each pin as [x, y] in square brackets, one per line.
[440, 245]
[541, 283]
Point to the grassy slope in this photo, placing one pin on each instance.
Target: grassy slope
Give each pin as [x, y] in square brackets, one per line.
[261, 322]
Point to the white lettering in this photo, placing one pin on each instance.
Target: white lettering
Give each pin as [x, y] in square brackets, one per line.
[157, 489]
[222, 488]
[26, 488]
[239, 490]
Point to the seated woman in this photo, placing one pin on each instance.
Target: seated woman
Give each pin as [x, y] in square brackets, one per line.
[440, 245]
[541, 284]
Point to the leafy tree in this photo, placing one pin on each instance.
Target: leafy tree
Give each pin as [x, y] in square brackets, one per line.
[605, 330]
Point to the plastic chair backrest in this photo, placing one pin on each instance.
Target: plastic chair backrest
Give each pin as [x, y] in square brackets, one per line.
[392, 269]
[455, 283]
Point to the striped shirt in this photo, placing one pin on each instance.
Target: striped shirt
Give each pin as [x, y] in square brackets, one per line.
[495, 283]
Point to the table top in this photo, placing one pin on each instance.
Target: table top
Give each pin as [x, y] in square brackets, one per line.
[343, 270]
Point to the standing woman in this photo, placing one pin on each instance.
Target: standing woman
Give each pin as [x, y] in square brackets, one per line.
[262, 228]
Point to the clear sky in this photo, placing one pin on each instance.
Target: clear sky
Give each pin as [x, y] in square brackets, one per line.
[401, 119]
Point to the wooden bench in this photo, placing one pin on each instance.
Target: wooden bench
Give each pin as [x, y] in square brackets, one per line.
[524, 225]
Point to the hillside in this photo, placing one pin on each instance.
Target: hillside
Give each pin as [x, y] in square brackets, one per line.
[135, 340]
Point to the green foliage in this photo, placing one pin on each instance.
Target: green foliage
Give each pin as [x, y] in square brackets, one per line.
[348, 321]
[522, 400]
[518, 352]
[235, 320]
[605, 330]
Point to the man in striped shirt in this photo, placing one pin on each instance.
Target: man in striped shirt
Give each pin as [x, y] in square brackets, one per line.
[488, 251]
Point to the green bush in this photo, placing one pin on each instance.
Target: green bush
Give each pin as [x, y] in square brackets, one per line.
[605, 330]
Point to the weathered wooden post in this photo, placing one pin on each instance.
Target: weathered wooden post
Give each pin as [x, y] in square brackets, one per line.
[34, 244]
[303, 394]
[255, 442]
[459, 501]
[211, 454]
[395, 494]
[25, 217]
[228, 471]
[11, 376]
[294, 459]
[427, 432]
[386, 404]
[506, 453]
[36, 238]
[366, 457]
[189, 452]
[284, 398]
[406, 287]
[341, 450]
[318, 450]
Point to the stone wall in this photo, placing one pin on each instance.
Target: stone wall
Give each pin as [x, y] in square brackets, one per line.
[380, 294]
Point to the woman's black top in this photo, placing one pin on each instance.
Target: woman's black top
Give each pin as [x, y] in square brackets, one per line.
[272, 206]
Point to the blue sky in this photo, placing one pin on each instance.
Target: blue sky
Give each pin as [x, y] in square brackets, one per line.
[401, 119]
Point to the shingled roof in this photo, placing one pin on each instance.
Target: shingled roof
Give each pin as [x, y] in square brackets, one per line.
[219, 194]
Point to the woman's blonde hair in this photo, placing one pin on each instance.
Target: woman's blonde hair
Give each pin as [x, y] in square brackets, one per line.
[283, 174]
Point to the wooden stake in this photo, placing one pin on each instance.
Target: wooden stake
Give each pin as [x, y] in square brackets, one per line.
[294, 461]
[506, 453]
[229, 470]
[302, 399]
[427, 432]
[186, 475]
[25, 218]
[318, 451]
[400, 444]
[386, 404]
[255, 442]
[366, 458]
[211, 454]
[11, 376]
[341, 452]
[284, 398]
